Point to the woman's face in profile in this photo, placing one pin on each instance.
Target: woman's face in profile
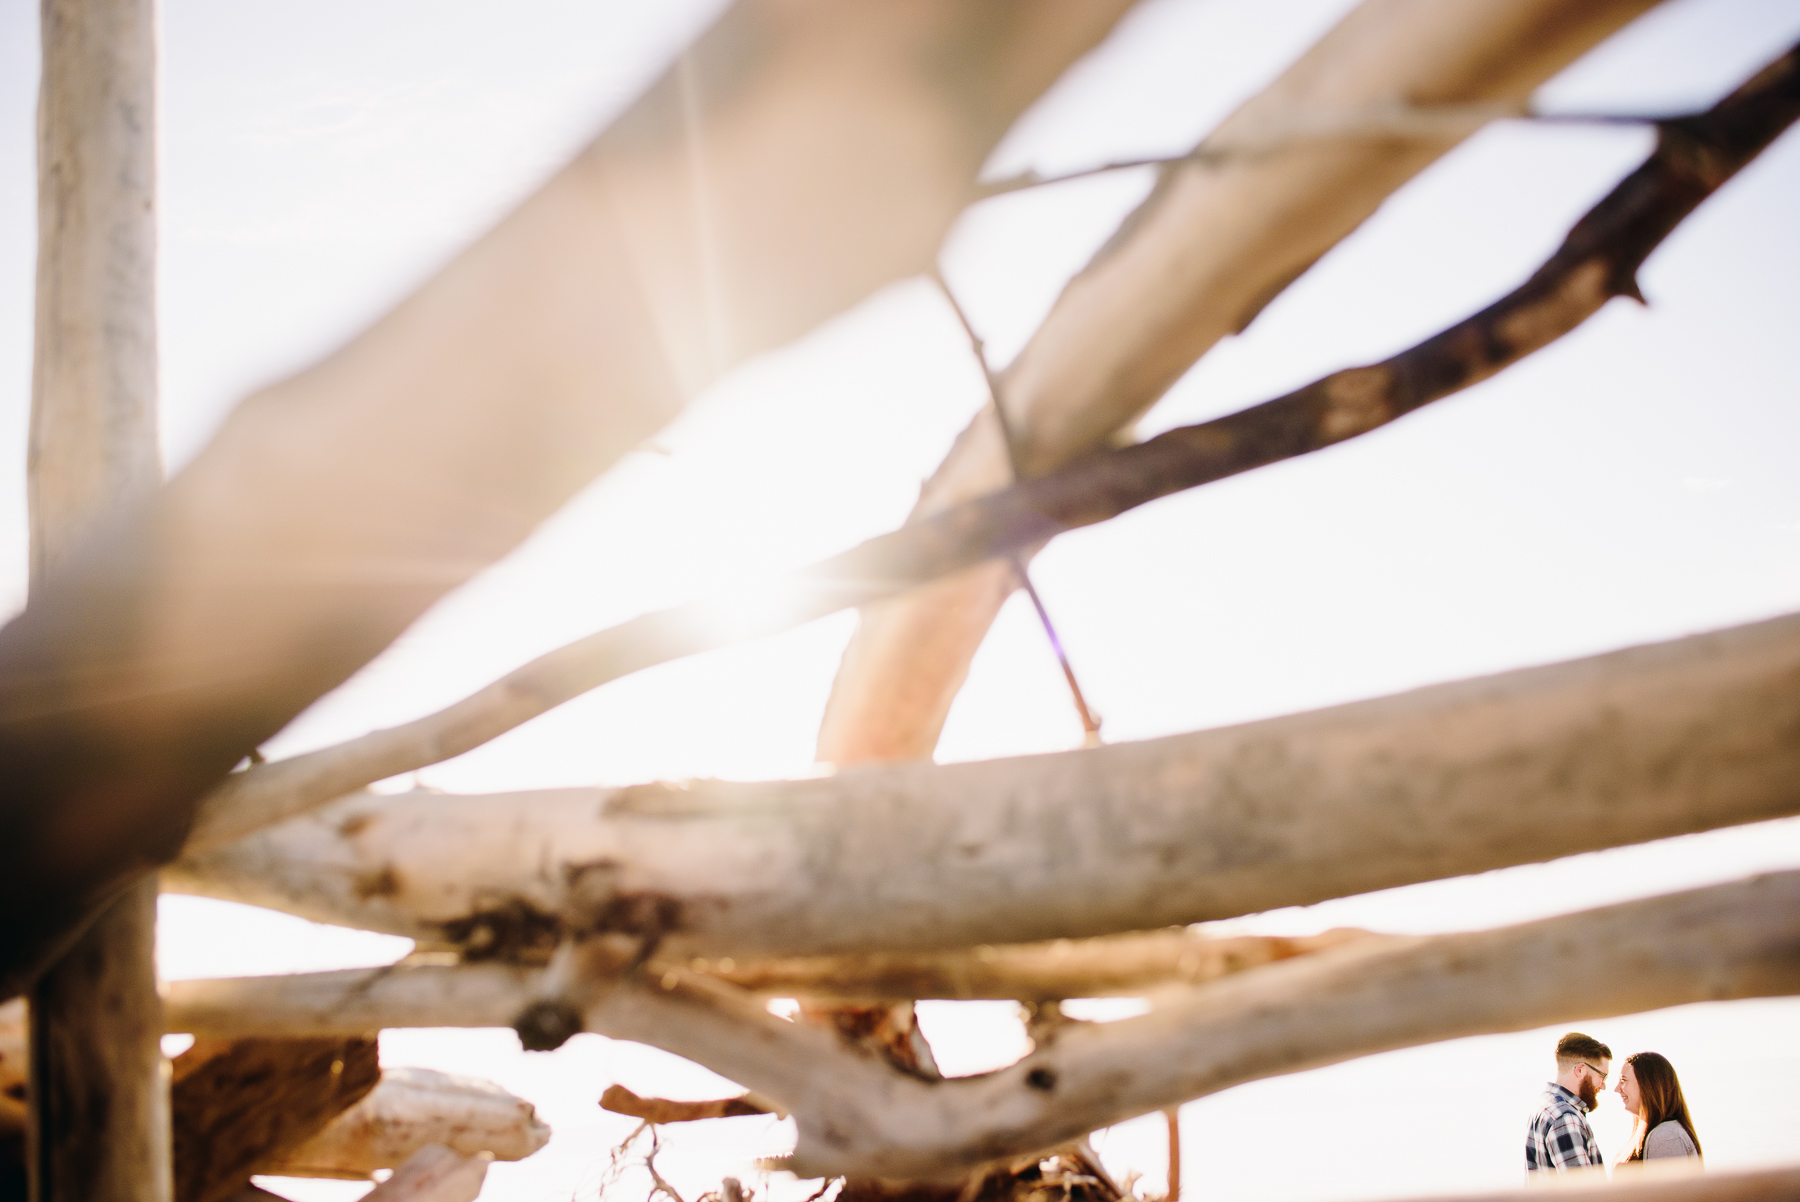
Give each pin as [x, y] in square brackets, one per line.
[1627, 1089]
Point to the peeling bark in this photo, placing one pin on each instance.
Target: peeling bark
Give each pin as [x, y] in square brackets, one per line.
[1597, 261]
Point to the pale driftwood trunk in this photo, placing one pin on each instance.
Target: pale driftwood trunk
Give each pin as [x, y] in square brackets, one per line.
[99, 1129]
[1639, 744]
[858, 1117]
[409, 1109]
[1212, 245]
[837, 145]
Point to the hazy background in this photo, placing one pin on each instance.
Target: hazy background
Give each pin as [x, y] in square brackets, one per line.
[1633, 482]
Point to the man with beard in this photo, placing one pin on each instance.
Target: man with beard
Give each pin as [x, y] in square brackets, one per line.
[1559, 1137]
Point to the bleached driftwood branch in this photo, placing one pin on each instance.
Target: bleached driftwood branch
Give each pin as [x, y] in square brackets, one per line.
[797, 159]
[409, 1109]
[855, 1116]
[1457, 778]
[491, 994]
[1111, 966]
[1218, 238]
[1596, 262]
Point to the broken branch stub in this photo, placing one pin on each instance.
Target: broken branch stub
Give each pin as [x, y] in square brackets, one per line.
[1596, 262]
[1458, 778]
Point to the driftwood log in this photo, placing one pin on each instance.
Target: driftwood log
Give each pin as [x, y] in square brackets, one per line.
[1218, 238]
[837, 146]
[1597, 262]
[1527, 765]
[492, 994]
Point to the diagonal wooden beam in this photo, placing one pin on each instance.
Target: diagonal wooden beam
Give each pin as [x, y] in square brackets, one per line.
[1596, 262]
[1216, 240]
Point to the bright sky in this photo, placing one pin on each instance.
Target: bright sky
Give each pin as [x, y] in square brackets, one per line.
[1633, 482]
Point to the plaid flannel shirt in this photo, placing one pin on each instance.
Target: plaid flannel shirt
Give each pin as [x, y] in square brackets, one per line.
[1559, 1137]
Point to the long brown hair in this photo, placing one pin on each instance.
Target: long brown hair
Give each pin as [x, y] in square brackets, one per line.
[1659, 1092]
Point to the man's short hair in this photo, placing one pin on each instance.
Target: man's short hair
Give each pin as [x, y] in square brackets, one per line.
[1575, 1047]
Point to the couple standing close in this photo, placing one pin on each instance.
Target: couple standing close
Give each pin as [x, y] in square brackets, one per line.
[1559, 1137]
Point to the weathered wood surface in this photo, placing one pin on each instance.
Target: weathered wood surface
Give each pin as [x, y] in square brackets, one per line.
[1216, 241]
[434, 1174]
[240, 1104]
[837, 146]
[1595, 263]
[409, 1109]
[99, 1116]
[855, 1116]
[1639, 744]
[492, 994]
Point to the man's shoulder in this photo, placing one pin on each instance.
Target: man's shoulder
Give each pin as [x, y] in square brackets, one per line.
[1556, 1101]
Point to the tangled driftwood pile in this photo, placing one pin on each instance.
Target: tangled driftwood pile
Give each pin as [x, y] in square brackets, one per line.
[174, 628]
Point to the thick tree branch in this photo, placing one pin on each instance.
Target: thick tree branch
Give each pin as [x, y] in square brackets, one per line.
[1458, 778]
[1597, 261]
[855, 1116]
[815, 153]
[408, 1109]
[356, 1001]
[1216, 239]
[620, 1100]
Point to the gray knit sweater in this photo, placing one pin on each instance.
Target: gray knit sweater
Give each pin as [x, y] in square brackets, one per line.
[1668, 1138]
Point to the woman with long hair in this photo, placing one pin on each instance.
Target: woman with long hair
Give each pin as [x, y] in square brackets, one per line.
[1650, 1090]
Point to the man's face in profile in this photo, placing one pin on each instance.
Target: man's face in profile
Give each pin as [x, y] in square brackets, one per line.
[1593, 1080]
